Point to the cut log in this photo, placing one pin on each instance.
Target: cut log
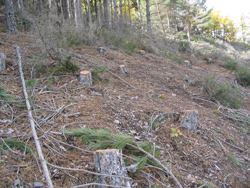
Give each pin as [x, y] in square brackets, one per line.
[86, 78]
[124, 70]
[2, 62]
[189, 119]
[110, 162]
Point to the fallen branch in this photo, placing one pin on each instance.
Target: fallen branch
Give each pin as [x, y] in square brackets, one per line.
[159, 162]
[121, 79]
[9, 147]
[98, 184]
[32, 124]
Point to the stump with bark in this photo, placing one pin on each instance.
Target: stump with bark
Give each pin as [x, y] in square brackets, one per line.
[110, 162]
[2, 62]
[189, 119]
[188, 63]
[86, 78]
[124, 70]
[102, 51]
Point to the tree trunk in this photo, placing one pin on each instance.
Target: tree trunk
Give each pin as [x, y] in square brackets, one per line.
[188, 22]
[10, 18]
[65, 9]
[148, 17]
[52, 6]
[78, 15]
[139, 10]
[89, 15]
[116, 13]
[120, 9]
[101, 13]
[86, 78]
[70, 10]
[39, 5]
[159, 14]
[50, 3]
[110, 162]
[96, 10]
[2, 62]
[125, 12]
[129, 13]
[106, 14]
[20, 6]
[168, 19]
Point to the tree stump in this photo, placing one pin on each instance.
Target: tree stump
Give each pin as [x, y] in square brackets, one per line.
[102, 51]
[2, 62]
[189, 119]
[124, 70]
[86, 78]
[110, 162]
[188, 63]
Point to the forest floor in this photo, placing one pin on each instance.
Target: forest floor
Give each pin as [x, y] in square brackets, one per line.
[218, 153]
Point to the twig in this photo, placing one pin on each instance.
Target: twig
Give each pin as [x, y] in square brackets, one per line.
[233, 118]
[241, 150]
[98, 184]
[205, 185]
[86, 151]
[8, 146]
[159, 162]
[32, 124]
[12, 113]
[121, 79]
[154, 179]
[225, 180]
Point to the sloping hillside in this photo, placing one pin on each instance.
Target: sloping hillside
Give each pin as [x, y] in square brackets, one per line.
[217, 153]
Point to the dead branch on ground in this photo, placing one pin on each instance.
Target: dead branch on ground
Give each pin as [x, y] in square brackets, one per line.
[159, 162]
[32, 124]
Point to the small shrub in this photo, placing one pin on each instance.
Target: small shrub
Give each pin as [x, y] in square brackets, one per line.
[31, 83]
[205, 185]
[243, 76]
[13, 143]
[230, 64]
[97, 70]
[231, 139]
[172, 56]
[218, 131]
[245, 131]
[175, 132]
[223, 93]
[184, 46]
[66, 66]
[233, 159]
[129, 47]
[4, 96]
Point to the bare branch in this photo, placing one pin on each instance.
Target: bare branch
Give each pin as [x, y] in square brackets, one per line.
[32, 124]
[159, 162]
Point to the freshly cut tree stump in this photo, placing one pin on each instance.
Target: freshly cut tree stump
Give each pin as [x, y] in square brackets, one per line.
[189, 119]
[110, 162]
[86, 78]
[124, 70]
[2, 62]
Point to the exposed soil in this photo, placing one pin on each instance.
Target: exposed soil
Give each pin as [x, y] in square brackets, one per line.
[156, 86]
